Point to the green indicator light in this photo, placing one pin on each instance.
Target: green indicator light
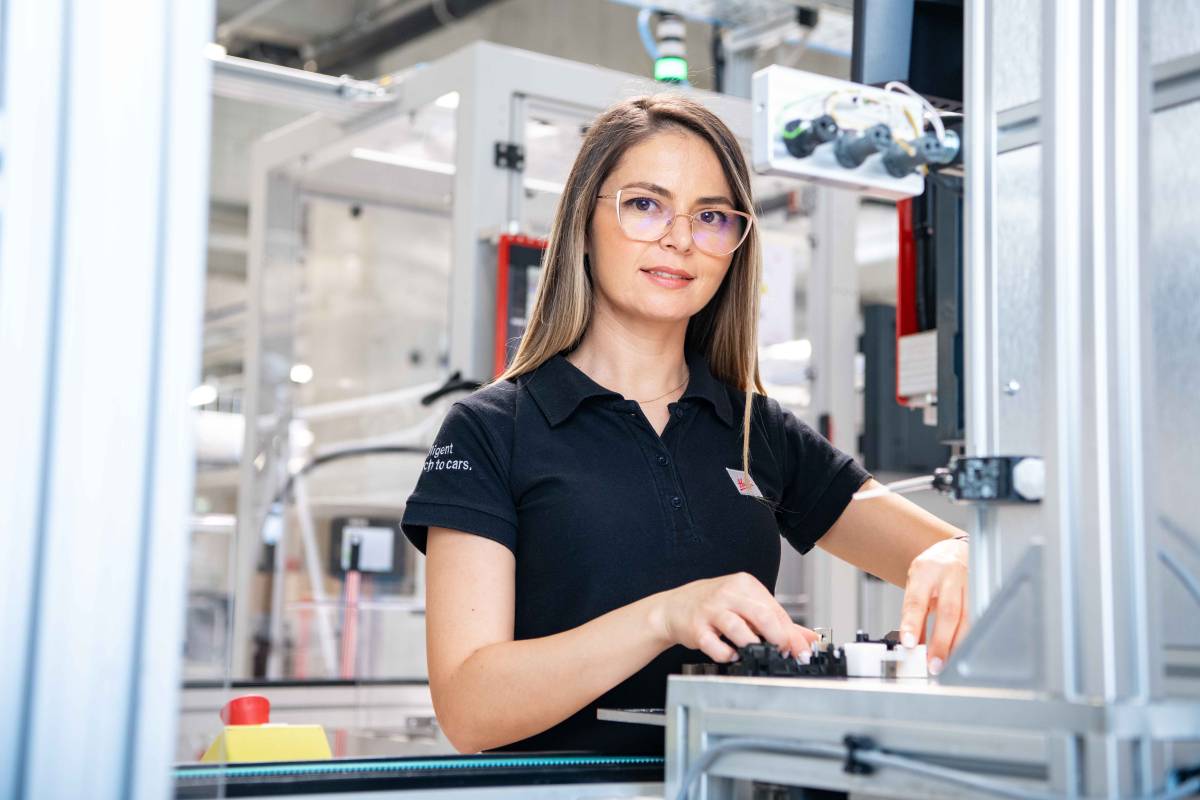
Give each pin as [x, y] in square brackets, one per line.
[670, 68]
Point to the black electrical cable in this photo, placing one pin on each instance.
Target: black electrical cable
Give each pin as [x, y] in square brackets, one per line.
[455, 383]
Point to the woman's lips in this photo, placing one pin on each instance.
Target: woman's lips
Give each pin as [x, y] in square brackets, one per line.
[668, 280]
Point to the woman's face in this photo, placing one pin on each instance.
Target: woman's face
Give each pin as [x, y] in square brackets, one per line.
[672, 170]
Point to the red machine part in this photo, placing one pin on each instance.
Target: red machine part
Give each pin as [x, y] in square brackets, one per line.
[906, 285]
[506, 241]
[249, 709]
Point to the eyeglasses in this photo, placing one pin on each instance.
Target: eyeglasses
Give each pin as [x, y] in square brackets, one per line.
[716, 231]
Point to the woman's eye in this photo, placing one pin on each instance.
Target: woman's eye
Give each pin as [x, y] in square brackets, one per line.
[712, 217]
[643, 204]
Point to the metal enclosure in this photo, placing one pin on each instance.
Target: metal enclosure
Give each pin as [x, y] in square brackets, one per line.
[1079, 678]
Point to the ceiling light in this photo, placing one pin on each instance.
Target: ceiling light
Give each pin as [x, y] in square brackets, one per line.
[202, 395]
[301, 373]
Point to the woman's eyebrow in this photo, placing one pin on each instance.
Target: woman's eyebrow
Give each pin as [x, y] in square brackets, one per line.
[654, 187]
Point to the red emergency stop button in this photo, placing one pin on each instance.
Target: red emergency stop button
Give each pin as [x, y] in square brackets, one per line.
[249, 709]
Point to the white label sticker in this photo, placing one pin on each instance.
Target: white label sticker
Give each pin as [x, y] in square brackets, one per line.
[744, 483]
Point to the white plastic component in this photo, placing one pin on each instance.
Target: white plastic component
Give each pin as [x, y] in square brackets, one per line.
[917, 364]
[1029, 478]
[780, 94]
[866, 660]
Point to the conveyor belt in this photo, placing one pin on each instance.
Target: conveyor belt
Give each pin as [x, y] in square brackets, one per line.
[352, 775]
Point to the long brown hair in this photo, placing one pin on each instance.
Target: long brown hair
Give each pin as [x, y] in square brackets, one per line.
[725, 331]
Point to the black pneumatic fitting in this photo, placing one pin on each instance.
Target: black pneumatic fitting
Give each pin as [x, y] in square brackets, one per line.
[802, 137]
[925, 150]
[851, 151]
[854, 744]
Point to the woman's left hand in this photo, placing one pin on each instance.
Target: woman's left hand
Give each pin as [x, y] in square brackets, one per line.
[937, 584]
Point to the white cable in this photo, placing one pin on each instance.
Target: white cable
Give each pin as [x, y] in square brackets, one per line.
[896, 487]
[931, 112]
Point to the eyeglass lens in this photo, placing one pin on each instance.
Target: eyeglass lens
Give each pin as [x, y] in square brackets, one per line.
[647, 219]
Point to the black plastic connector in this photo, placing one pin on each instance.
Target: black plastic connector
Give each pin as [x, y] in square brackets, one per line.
[855, 744]
[765, 661]
[925, 150]
[992, 479]
[851, 151]
[801, 137]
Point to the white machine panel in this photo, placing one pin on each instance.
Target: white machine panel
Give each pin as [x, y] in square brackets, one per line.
[781, 94]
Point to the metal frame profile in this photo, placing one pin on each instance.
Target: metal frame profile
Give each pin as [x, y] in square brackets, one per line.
[1061, 688]
[100, 339]
[496, 86]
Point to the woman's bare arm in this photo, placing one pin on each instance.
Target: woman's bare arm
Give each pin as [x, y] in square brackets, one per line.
[883, 535]
[897, 540]
[489, 690]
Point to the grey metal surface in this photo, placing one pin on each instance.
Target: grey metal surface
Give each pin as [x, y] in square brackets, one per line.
[99, 336]
[1016, 39]
[655, 717]
[1019, 299]
[1003, 648]
[1173, 431]
[1015, 736]
[1174, 29]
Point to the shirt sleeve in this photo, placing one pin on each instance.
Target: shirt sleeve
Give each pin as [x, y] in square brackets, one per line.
[463, 484]
[818, 483]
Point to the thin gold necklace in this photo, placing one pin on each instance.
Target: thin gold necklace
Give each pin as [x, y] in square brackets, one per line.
[669, 391]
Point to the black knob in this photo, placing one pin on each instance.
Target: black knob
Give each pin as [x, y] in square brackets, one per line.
[862, 636]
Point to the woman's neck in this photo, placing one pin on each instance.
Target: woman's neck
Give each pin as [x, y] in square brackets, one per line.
[637, 361]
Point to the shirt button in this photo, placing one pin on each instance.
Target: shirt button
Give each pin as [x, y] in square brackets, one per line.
[677, 501]
[663, 460]
[679, 411]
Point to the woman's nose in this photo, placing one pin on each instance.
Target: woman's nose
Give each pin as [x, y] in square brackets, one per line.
[679, 233]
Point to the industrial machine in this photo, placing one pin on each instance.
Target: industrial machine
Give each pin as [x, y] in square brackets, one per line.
[1079, 676]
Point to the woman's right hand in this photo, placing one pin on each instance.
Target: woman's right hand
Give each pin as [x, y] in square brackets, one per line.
[738, 607]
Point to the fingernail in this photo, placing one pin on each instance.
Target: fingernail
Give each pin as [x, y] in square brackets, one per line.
[805, 656]
[908, 639]
[935, 666]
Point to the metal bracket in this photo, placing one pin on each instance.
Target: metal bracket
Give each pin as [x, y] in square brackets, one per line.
[992, 655]
[509, 156]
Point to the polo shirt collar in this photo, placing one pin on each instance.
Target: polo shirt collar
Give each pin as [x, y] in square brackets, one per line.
[705, 386]
[559, 387]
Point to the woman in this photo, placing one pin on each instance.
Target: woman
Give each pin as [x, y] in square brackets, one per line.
[612, 504]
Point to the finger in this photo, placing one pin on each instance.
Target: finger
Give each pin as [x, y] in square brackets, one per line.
[711, 645]
[915, 610]
[766, 616]
[949, 612]
[735, 629]
[803, 641]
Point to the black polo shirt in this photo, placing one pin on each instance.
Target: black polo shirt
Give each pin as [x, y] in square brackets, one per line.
[600, 511]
